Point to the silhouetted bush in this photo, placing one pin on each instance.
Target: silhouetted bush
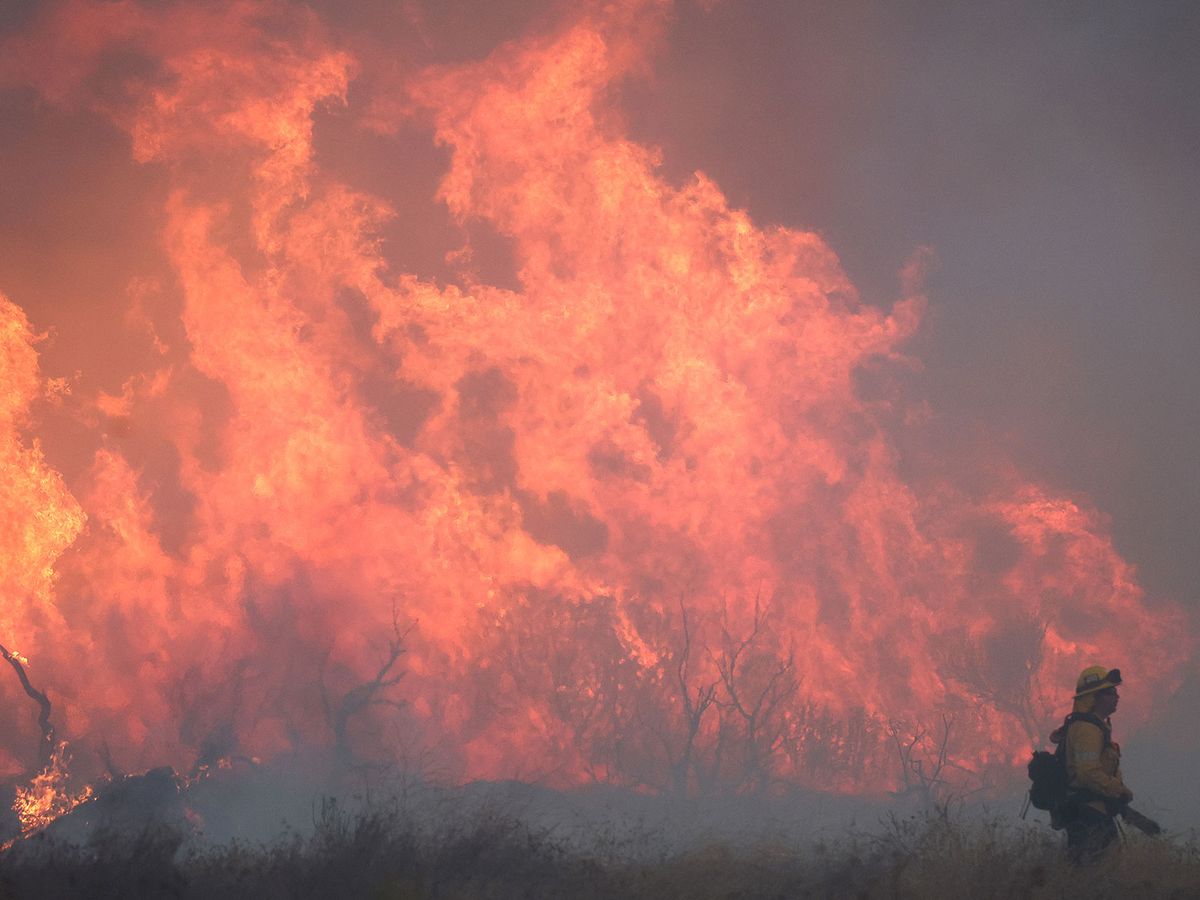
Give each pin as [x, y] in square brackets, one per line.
[382, 853]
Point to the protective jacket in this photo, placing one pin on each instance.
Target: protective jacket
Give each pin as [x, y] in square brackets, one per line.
[1093, 765]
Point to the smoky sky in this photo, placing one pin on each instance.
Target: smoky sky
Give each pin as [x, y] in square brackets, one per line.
[1046, 152]
[1043, 153]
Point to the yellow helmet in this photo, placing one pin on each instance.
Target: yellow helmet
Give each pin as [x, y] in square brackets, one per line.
[1096, 678]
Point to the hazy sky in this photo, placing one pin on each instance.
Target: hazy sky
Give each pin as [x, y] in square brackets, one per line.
[1045, 153]
[1048, 153]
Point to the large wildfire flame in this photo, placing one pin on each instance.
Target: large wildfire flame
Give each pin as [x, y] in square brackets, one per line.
[632, 518]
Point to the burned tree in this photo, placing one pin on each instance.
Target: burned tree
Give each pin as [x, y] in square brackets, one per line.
[1001, 670]
[46, 796]
[826, 744]
[373, 692]
[564, 653]
[760, 686]
[928, 771]
[695, 704]
[45, 750]
[613, 684]
[207, 714]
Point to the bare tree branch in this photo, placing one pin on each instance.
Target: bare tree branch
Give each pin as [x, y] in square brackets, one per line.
[694, 708]
[369, 693]
[46, 744]
[759, 702]
[923, 760]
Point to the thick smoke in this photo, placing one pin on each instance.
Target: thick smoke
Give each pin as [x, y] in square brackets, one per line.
[634, 517]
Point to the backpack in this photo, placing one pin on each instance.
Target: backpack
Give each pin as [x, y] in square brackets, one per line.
[1048, 771]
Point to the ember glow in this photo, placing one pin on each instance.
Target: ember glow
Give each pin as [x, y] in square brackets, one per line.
[48, 796]
[629, 518]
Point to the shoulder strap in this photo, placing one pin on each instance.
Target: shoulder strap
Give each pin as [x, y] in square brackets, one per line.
[1091, 719]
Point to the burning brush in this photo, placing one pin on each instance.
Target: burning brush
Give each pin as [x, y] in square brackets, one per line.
[47, 797]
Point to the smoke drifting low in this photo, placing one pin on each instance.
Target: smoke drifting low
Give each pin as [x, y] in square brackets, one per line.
[610, 473]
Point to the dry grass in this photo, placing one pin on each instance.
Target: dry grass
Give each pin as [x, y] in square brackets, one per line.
[384, 854]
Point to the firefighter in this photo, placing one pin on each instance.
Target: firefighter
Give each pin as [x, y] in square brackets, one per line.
[1096, 792]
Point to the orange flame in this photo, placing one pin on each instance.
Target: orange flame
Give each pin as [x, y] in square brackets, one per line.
[649, 527]
[48, 796]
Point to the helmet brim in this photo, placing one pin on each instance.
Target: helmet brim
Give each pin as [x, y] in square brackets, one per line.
[1095, 689]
